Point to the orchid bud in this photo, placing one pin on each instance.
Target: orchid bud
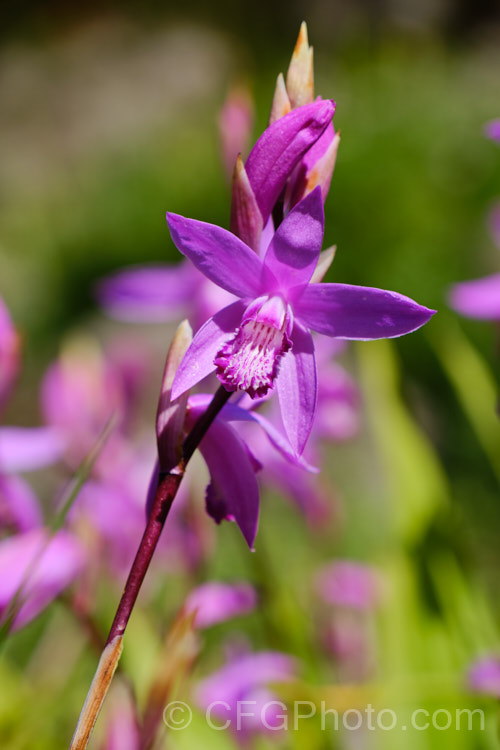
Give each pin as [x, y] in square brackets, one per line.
[171, 414]
[246, 219]
[316, 168]
[281, 103]
[300, 75]
[280, 148]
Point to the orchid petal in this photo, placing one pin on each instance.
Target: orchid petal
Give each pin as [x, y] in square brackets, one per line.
[297, 388]
[29, 448]
[281, 103]
[198, 362]
[359, 312]
[266, 237]
[280, 148]
[314, 502]
[148, 293]
[477, 299]
[233, 493]
[315, 169]
[294, 250]
[218, 254]
[234, 413]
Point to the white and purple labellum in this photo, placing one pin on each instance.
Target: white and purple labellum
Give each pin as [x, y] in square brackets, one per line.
[250, 360]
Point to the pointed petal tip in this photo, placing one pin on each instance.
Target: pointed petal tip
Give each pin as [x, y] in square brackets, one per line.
[300, 75]
[281, 105]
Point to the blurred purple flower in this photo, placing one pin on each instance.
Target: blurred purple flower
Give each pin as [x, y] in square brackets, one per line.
[492, 130]
[40, 567]
[9, 353]
[24, 449]
[477, 299]
[235, 126]
[19, 507]
[160, 293]
[266, 332]
[480, 298]
[484, 676]
[245, 678]
[349, 584]
[29, 448]
[122, 731]
[215, 602]
[355, 590]
[79, 394]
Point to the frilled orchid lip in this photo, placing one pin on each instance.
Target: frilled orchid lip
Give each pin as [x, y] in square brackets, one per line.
[250, 361]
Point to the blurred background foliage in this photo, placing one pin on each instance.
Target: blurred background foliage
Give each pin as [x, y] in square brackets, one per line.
[108, 115]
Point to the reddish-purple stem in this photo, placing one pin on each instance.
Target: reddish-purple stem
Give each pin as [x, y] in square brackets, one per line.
[168, 484]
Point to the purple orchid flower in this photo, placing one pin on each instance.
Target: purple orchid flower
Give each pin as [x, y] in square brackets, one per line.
[19, 506]
[9, 353]
[492, 130]
[161, 293]
[214, 602]
[39, 567]
[355, 590]
[484, 676]
[24, 449]
[122, 730]
[480, 298]
[353, 585]
[266, 332]
[246, 678]
[29, 448]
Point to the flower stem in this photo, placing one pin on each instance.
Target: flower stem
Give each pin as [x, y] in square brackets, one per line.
[168, 485]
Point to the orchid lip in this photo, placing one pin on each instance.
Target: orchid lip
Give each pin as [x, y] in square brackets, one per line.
[250, 361]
